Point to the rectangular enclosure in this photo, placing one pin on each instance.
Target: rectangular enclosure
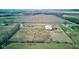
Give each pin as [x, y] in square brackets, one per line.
[37, 29]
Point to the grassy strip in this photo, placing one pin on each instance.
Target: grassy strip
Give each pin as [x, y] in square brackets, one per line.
[39, 46]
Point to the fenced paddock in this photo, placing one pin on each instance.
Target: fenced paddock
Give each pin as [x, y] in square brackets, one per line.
[38, 34]
[32, 34]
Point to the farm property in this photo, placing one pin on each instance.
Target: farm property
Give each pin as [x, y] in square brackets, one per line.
[39, 31]
[38, 37]
[36, 34]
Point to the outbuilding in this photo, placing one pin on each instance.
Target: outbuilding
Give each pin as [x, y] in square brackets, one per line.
[48, 27]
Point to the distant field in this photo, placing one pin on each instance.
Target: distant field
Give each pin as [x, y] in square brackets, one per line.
[72, 18]
[7, 19]
[42, 19]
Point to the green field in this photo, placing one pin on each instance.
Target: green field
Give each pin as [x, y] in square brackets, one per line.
[73, 32]
[73, 18]
[39, 46]
[3, 20]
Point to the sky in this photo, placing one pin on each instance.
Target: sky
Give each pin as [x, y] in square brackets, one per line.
[39, 4]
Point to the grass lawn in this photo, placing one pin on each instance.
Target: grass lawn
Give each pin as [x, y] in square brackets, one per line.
[39, 46]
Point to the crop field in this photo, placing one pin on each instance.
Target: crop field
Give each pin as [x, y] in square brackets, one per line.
[39, 34]
[36, 36]
[31, 34]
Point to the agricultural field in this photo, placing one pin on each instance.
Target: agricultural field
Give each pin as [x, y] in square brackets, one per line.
[40, 34]
[8, 20]
[29, 32]
[73, 32]
[42, 19]
[36, 36]
[73, 18]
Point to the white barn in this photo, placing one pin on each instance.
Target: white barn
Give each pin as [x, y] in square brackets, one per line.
[48, 27]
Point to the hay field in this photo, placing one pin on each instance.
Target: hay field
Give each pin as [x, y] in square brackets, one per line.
[36, 33]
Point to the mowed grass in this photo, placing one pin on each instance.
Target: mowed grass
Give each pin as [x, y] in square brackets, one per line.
[39, 46]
